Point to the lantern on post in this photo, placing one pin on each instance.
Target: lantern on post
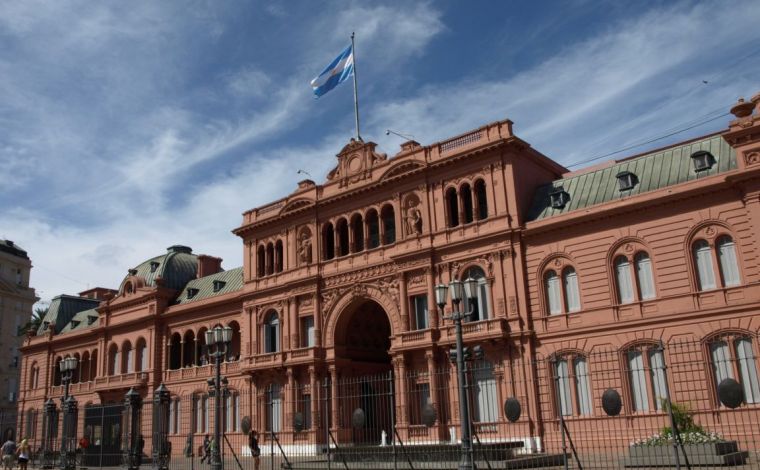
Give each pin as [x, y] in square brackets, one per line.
[49, 434]
[161, 447]
[69, 438]
[132, 436]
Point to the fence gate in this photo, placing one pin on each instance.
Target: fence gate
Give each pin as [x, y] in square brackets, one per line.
[102, 427]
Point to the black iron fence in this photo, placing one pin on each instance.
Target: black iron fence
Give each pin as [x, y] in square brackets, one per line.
[685, 404]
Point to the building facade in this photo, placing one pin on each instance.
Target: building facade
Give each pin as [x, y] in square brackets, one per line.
[16, 301]
[582, 278]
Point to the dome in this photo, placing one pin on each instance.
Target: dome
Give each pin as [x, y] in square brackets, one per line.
[176, 267]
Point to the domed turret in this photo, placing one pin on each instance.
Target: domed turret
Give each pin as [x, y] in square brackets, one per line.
[176, 267]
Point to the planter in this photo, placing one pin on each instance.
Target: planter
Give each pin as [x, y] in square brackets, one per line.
[714, 453]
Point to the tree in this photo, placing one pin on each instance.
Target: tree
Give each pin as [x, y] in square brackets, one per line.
[34, 322]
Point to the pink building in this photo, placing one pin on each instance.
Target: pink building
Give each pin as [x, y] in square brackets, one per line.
[639, 275]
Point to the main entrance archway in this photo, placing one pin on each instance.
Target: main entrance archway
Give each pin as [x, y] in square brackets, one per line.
[364, 389]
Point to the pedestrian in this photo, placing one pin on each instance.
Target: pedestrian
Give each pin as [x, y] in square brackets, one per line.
[9, 453]
[23, 454]
[206, 449]
[253, 443]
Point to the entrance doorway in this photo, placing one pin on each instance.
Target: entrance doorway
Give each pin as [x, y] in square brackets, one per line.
[365, 388]
[102, 427]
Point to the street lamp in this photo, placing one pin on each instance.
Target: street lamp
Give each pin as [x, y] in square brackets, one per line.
[68, 442]
[459, 290]
[217, 340]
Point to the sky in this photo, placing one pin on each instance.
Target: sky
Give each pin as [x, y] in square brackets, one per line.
[127, 127]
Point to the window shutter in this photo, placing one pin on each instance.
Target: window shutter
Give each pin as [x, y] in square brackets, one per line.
[729, 268]
[645, 276]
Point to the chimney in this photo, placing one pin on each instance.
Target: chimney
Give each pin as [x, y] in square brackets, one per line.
[208, 265]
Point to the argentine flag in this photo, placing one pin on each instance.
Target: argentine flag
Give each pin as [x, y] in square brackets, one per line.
[337, 72]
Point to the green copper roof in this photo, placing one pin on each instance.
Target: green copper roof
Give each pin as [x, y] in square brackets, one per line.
[62, 309]
[226, 282]
[176, 267]
[654, 170]
[82, 320]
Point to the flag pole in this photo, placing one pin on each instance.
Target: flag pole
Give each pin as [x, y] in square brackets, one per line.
[356, 94]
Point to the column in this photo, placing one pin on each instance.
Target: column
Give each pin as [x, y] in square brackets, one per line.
[432, 306]
[182, 353]
[314, 388]
[317, 320]
[351, 244]
[334, 398]
[402, 409]
[293, 328]
[404, 300]
[290, 396]
[336, 240]
[433, 379]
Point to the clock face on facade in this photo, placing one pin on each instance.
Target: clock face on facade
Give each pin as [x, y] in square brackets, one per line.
[354, 163]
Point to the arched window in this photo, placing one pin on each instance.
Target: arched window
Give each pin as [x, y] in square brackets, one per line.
[452, 204]
[274, 408]
[466, 194]
[76, 376]
[128, 358]
[113, 360]
[481, 200]
[33, 376]
[188, 358]
[201, 350]
[645, 365]
[234, 350]
[85, 367]
[270, 258]
[373, 229]
[729, 268]
[57, 372]
[388, 217]
[328, 241]
[644, 276]
[572, 294]
[175, 351]
[357, 229]
[272, 333]
[94, 366]
[624, 280]
[733, 357]
[704, 265]
[572, 385]
[553, 294]
[278, 257]
[141, 363]
[342, 228]
[480, 306]
[485, 400]
[261, 261]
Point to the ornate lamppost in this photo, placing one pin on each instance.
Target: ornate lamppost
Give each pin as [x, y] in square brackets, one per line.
[161, 448]
[217, 340]
[49, 434]
[132, 445]
[69, 405]
[458, 289]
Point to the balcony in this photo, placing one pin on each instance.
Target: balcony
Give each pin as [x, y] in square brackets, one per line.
[200, 372]
[417, 338]
[131, 379]
[493, 328]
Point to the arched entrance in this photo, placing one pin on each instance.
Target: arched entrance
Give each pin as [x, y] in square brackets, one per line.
[362, 356]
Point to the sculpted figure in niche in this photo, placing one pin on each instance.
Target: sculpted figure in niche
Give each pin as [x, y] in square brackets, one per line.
[304, 247]
[413, 216]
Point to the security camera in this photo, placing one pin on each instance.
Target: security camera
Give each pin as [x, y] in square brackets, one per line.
[388, 132]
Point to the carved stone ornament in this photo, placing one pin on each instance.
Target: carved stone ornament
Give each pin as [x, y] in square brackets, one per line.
[304, 246]
[710, 231]
[412, 216]
[752, 158]
[628, 247]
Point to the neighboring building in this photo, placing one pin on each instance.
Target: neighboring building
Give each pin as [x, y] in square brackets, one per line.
[338, 283]
[16, 301]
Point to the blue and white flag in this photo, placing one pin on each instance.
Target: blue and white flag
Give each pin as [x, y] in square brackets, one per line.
[334, 74]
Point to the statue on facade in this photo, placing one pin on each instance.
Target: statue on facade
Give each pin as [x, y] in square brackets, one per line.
[304, 248]
[413, 217]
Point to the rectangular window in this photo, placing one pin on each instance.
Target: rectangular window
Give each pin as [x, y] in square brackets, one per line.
[306, 410]
[485, 400]
[553, 294]
[703, 259]
[748, 370]
[624, 281]
[721, 359]
[645, 276]
[571, 291]
[657, 368]
[728, 266]
[307, 332]
[637, 376]
[420, 307]
[582, 388]
[563, 388]
[420, 397]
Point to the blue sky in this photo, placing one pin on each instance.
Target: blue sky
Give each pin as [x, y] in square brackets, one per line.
[126, 127]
